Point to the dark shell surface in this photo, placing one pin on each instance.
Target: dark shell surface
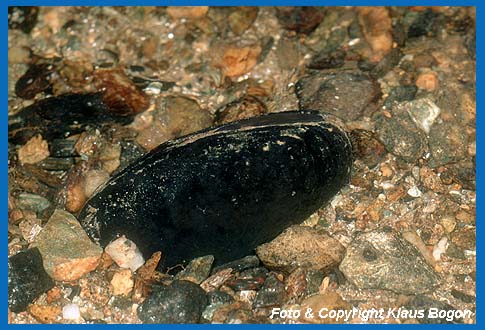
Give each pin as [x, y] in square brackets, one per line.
[225, 190]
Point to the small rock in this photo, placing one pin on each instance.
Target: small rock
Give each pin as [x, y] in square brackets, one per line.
[272, 293]
[187, 12]
[119, 93]
[71, 312]
[381, 260]
[440, 248]
[448, 223]
[447, 142]
[427, 81]
[148, 269]
[27, 279]
[400, 135]
[93, 179]
[422, 24]
[245, 107]
[288, 53]
[197, 270]
[125, 253]
[465, 238]
[300, 19]
[300, 246]
[67, 251]
[237, 61]
[242, 18]
[180, 302]
[377, 29]
[423, 112]
[367, 147]
[424, 60]
[34, 151]
[122, 282]
[45, 313]
[328, 301]
[183, 116]
[348, 95]
[32, 202]
[328, 59]
[414, 192]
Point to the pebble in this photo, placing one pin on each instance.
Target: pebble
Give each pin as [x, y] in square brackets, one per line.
[422, 23]
[447, 143]
[400, 135]
[189, 12]
[71, 312]
[45, 313]
[428, 81]
[67, 251]
[32, 202]
[300, 19]
[465, 238]
[288, 53]
[34, 151]
[93, 179]
[242, 18]
[125, 253]
[414, 192]
[238, 60]
[381, 260]
[27, 279]
[349, 95]
[376, 27]
[423, 111]
[180, 302]
[122, 282]
[197, 270]
[120, 94]
[300, 246]
[245, 107]
[440, 248]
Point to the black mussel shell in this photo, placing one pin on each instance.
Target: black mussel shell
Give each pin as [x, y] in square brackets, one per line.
[225, 190]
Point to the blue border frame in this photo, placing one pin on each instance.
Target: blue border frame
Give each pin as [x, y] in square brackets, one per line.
[4, 117]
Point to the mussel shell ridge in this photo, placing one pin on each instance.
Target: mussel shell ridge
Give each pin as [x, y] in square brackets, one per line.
[225, 190]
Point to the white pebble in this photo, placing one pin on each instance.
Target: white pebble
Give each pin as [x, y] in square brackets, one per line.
[71, 312]
[440, 248]
[125, 253]
[414, 192]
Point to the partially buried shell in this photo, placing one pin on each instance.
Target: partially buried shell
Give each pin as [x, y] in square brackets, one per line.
[223, 191]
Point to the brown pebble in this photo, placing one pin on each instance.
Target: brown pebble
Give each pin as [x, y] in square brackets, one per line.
[377, 29]
[92, 180]
[122, 282]
[190, 12]
[146, 271]
[45, 313]
[53, 294]
[237, 61]
[34, 151]
[119, 93]
[427, 81]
